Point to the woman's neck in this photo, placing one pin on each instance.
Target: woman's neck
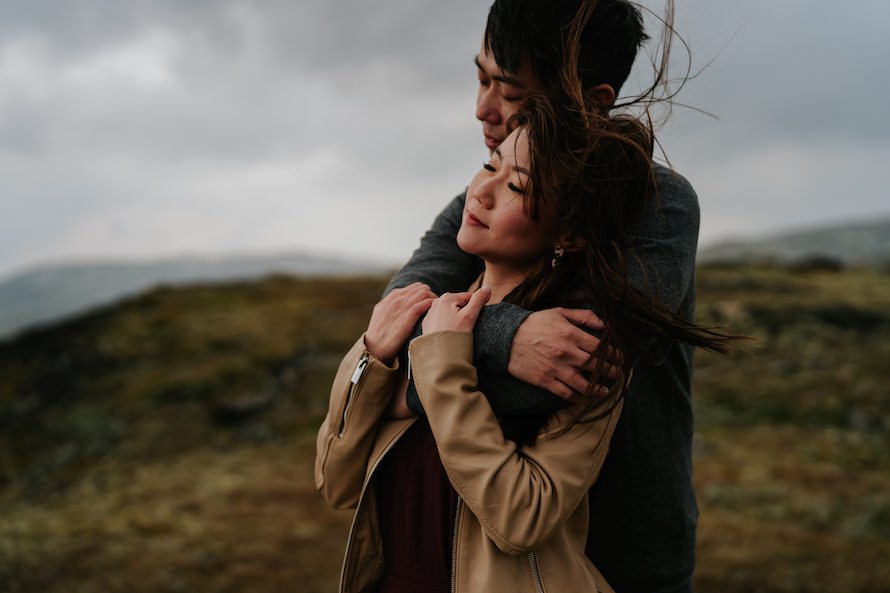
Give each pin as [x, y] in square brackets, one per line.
[501, 279]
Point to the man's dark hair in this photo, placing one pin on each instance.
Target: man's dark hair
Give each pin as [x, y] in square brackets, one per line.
[536, 30]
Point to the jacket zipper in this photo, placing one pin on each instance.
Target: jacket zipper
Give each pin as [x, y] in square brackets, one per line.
[356, 377]
[532, 557]
[454, 544]
[361, 499]
[536, 572]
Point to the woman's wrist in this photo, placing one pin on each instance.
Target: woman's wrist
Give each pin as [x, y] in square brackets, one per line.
[378, 351]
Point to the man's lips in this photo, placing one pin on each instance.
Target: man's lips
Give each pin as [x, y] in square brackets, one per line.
[473, 220]
[491, 141]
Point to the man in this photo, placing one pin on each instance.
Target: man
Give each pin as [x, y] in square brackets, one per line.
[643, 509]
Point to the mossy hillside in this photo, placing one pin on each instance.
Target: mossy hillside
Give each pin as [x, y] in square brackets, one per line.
[166, 443]
[173, 370]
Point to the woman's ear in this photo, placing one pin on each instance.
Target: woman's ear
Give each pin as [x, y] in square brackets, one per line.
[571, 243]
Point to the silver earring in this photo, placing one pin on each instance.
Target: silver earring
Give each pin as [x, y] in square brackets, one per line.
[558, 252]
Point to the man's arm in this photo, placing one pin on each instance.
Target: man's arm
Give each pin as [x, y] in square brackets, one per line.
[547, 353]
[663, 265]
[546, 350]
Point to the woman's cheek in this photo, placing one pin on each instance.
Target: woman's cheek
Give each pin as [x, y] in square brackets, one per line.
[521, 228]
[465, 239]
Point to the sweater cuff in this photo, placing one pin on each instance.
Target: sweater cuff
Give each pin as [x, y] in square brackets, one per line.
[494, 332]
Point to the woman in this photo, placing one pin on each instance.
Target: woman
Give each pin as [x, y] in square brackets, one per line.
[460, 499]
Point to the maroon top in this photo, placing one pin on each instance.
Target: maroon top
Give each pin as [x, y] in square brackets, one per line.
[416, 508]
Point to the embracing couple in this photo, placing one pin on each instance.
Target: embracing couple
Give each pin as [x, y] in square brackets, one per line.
[517, 416]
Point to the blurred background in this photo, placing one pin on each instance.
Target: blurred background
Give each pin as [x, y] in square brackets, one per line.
[192, 190]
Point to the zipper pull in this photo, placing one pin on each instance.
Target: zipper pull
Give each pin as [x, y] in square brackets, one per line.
[362, 363]
[409, 365]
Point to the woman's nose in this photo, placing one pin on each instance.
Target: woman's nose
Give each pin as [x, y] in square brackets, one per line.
[484, 193]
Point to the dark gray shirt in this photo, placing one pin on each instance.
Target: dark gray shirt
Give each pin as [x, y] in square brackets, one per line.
[643, 511]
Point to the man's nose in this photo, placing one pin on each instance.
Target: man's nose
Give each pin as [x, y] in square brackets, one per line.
[488, 107]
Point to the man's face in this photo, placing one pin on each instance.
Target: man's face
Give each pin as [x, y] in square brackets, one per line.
[500, 96]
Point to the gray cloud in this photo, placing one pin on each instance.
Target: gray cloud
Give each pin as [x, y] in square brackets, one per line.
[800, 70]
[220, 126]
[797, 87]
[167, 126]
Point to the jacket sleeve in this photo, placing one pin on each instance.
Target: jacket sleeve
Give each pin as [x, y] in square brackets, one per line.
[360, 394]
[521, 496]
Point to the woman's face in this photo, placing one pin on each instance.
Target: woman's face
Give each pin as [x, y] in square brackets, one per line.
[495, 225]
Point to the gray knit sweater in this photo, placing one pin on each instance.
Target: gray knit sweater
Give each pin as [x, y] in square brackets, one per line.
[643, 508]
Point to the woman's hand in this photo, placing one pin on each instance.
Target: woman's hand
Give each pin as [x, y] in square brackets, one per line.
[456, 311]
[394, 318]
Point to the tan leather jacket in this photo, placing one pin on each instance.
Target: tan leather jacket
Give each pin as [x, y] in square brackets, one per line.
[522, 518]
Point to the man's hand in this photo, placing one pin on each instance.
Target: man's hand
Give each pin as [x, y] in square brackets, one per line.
[552, 352]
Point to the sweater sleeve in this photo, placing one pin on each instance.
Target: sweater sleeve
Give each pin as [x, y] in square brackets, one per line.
[662, 264]
[662, 261]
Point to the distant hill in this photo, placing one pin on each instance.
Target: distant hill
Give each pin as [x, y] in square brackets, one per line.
[48, 294]
[855, 243]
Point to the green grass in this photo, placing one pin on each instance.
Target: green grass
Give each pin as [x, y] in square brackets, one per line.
[166, 443]
[792, 452]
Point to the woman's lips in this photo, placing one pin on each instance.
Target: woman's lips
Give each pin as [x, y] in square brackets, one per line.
[491, 142]
[475, 221]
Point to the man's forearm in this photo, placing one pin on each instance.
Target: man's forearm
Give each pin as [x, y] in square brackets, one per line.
[493, 336]
[661, 265]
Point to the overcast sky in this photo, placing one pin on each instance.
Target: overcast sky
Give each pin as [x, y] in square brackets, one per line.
[170, 127]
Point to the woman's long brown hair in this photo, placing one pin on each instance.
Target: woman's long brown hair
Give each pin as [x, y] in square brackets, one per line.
[596, 170]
